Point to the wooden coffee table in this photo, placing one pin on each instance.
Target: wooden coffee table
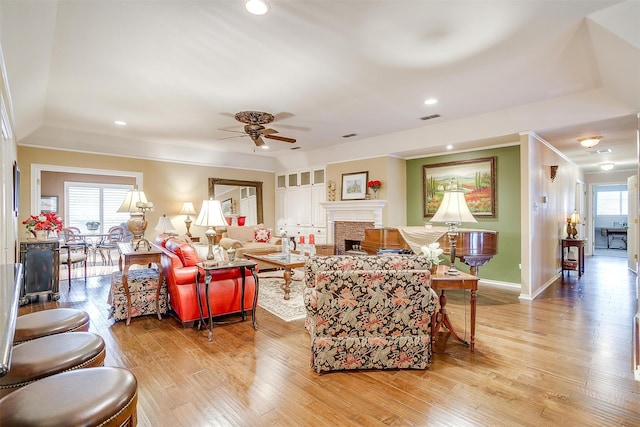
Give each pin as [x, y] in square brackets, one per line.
[285, 262]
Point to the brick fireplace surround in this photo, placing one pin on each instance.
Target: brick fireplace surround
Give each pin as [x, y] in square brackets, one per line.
[347, 220]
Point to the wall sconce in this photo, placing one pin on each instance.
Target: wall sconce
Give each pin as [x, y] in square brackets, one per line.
[554, 172]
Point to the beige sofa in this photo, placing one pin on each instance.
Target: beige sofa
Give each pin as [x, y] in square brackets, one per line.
[242, 239]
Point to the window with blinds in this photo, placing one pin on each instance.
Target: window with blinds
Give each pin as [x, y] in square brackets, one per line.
[87, 202]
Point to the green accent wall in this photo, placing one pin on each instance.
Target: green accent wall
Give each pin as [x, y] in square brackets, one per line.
[504, 267]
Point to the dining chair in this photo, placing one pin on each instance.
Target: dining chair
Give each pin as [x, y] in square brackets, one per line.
[74, 254]
[115, 235]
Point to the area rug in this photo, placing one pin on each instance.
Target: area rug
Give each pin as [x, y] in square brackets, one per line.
[271, 296]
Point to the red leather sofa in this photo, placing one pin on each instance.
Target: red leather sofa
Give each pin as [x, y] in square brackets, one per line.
[179, 260]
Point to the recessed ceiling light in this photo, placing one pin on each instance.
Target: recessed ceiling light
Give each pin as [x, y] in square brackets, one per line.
[449, 147]
[120, 123]
[257, 7]
[264, 147]
[431, 101]
[589, 141]
[606, 166]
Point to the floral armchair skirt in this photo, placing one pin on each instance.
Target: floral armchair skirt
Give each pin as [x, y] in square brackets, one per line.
[369, 312]
[143, 284]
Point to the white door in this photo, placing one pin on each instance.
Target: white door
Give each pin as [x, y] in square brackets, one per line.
[632, 222]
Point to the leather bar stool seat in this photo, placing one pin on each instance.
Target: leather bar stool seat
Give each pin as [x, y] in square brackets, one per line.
[40, 358]
[105, 396]
[49, 322]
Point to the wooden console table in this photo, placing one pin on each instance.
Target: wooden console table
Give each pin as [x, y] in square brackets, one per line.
[569, 265]
[128, 257]
[441, 281]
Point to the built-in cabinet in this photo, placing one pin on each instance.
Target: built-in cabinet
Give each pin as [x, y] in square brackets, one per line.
[298, 198]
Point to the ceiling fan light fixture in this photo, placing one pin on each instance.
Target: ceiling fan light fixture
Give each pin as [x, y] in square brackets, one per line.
[257, 7]
[607, 166]
[589, 141]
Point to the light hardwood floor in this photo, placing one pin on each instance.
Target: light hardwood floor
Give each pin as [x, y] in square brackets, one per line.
[562, 359]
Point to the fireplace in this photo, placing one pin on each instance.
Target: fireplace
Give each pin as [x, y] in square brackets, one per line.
[347, 220]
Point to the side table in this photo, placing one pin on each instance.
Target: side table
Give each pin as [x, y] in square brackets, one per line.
[128, 257]
[205, 269]
[441, 281]
[566, 263]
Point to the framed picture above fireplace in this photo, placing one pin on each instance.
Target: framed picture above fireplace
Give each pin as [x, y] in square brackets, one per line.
[354, 185]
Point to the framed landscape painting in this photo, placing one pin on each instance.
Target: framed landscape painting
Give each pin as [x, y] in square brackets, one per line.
[354, 185]
[476, 178]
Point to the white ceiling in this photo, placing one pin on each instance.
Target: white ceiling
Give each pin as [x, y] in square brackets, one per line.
[177, 71]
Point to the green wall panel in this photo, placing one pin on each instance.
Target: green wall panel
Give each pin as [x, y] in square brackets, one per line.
[504, 267]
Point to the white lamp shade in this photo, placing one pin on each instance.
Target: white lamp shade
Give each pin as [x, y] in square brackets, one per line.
[165, 225]
[453, 209]
[575, 218]
[131, 201]
[211, 214]
[188, 209]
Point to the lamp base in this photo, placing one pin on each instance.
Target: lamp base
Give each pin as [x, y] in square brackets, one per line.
[453, 237]
[211, 238]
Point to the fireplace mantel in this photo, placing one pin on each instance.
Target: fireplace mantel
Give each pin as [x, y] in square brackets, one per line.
[353, 211]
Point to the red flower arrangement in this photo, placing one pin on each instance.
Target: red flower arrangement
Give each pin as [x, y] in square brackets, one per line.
[374, 185]
[48, 221]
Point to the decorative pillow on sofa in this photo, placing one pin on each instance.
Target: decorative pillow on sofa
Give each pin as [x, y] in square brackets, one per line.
[262, 235]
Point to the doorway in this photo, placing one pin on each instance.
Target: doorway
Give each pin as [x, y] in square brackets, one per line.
[610, 219]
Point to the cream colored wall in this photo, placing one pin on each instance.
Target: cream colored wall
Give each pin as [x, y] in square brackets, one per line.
[390, 171]
[545, 206]
[166, 184]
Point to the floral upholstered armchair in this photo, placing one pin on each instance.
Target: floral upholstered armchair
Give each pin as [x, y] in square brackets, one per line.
[369, 312]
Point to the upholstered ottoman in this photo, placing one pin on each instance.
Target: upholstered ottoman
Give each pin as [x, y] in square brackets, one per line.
[143, 285]
[105, 396]
[49, 322]
[50, 355]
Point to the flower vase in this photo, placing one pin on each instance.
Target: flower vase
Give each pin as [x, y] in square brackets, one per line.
[41, 234]
[434, 268]
[375, 193]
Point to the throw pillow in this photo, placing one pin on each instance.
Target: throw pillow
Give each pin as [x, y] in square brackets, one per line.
[261, 235]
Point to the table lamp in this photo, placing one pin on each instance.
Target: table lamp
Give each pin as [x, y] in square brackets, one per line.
[572, 221]
[211, 216]
[188, 209]
[136, 203]
[165, 226]
[453, 211]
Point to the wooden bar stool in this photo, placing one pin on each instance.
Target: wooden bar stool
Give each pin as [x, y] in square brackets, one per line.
[49, 322]
[36, 359]
[104, 396]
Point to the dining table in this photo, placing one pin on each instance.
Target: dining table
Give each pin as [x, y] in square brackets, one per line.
[93, 240]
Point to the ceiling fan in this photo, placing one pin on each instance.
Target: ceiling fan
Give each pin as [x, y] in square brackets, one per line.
[254, 127]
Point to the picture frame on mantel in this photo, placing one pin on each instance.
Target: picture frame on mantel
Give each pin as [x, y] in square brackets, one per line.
[354, 185]
[476, 178]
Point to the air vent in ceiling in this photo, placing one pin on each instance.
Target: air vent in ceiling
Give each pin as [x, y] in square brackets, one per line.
[296, 148]
[349, 135]
[433, 116]
[601, 151]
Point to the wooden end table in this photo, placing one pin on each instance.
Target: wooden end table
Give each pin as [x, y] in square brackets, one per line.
[130, 256]
[285, 262]
[441, 281]
[205, 269]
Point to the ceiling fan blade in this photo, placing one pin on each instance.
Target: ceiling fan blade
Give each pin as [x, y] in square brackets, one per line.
[280, 138]
[259, 141]
[268, 131]
[235, 136]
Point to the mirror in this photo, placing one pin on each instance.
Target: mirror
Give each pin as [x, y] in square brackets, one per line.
[251, 191]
